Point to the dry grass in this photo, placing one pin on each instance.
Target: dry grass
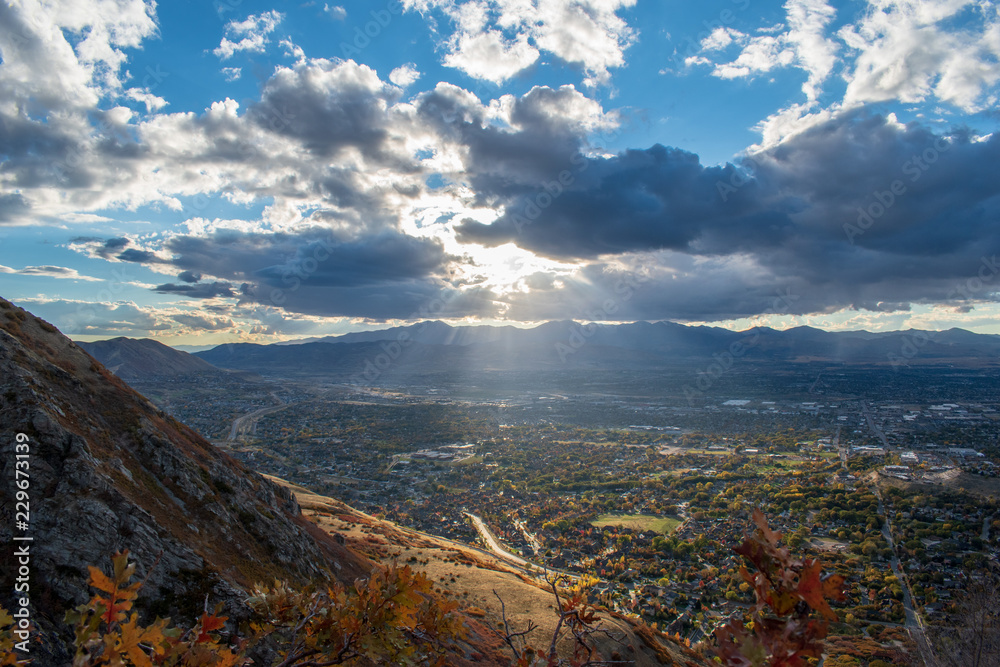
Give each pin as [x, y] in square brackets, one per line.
[470, 577]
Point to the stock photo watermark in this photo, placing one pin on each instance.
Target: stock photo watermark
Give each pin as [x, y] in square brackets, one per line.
[725, 360]
[740, 177]
[914, 168]
[392, 350]
[364, 36]
[579, 334]
[22, 539]
[967, 290]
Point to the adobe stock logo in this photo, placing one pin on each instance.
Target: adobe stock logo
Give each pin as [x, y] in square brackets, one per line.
[914, 168]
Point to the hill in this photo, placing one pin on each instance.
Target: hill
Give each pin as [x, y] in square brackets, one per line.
[144, 359]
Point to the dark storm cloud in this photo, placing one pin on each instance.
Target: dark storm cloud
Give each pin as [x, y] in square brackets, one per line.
[859, 212]
[197, 291]
[387, 275]
[640, 200]
[315, 256]
[139, 256]
[189, 276]
[503, 162]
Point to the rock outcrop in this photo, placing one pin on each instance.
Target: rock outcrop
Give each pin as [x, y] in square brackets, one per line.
[110, 471]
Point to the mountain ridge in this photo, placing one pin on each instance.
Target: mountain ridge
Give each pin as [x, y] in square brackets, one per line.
[430, 346]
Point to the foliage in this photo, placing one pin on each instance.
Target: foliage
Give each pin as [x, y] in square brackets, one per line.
[788, 591]
[391, 618]
[107, 635]
[973, 640]
[7, 655]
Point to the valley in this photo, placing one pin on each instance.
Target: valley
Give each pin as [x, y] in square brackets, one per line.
[548, 461]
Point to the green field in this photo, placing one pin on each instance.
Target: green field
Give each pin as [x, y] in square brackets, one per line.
[640, 522]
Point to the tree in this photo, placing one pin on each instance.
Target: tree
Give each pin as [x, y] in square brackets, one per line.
[577, 620]
[974, 639]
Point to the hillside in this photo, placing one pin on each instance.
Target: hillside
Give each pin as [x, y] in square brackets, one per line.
[144, 359]
[471, 576]
[109, 471]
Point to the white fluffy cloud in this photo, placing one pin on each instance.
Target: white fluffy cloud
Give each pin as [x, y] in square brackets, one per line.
[405, 75]
[252, 34]
[801, 43]
[911, 51]
[67, 55]
[143, 96]
[493, 40]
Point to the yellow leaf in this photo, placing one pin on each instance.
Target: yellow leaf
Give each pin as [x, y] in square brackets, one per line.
[131, 636]
[100, 581]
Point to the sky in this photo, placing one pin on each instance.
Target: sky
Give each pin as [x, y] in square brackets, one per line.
[208, 171]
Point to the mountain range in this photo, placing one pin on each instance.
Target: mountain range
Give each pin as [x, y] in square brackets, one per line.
[430, 346]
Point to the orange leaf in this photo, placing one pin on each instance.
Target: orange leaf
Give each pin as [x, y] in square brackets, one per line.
[209, 623]
[100, 581]
[812, 590]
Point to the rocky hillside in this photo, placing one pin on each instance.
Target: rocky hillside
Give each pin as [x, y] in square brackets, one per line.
[109, 471]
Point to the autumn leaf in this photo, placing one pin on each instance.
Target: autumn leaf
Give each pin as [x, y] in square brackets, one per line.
[129, 640]
[209, 623]
[811, 589]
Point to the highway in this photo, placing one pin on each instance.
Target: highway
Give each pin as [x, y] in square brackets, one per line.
[494, 544]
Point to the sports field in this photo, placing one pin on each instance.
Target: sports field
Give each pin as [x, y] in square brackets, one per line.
[640, 522]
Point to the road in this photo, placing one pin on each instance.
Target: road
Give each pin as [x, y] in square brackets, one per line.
[873, 426]
[842, 452]
[246, 421]
[494, 544]
[529, 537]
[914, 624]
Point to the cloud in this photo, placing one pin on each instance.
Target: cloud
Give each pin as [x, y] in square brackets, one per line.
[13, 207]
[805, 214]
[404, 75]
[252, 34]
[55, 272]
[800, 42]
[67, 55]
[202, 323]
[81, 318]
[958, 65]
[198, 290]
[494, 40]
[490, 56]
[311, 271]
[336, 12]
[146, 98]
[327, 105]
[232, 73]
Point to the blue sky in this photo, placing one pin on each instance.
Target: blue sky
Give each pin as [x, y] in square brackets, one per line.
[202, 172]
